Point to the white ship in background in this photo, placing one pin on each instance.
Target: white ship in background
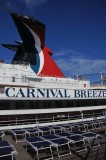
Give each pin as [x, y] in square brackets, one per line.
[34, 90]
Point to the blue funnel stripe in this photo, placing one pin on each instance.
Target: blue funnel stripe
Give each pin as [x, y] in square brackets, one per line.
[36, 67]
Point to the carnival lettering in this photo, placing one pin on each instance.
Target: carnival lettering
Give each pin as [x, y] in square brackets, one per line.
[36, 93]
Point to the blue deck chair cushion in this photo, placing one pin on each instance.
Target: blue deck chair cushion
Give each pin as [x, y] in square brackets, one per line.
[89, 134]
[60, 141]
[49, 137]
[76, 138]
[33, 139]
[42, 144]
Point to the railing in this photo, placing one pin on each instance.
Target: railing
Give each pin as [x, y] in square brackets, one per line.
[53, 118]
[14, 62]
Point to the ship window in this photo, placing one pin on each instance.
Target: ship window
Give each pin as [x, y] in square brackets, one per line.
[33, 105]
[46, 104]
[23, 78]
[5, 105]
[13, 79]
[58, 104]
[16, 77]
[67, 103]
[4, 76]
[1, 90]
[19, 105]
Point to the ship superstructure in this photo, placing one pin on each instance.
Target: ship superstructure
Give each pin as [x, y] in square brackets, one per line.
[23, 75]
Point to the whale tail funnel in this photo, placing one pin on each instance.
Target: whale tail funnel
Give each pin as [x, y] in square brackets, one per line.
[32, 47]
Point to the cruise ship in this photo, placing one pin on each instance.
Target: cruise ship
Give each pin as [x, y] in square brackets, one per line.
[33, 88]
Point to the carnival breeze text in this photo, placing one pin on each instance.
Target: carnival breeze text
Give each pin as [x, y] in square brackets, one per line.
[17, 92]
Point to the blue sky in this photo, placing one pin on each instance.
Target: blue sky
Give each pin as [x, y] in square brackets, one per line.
[75, 31]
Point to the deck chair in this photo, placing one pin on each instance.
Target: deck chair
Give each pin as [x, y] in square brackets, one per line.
[93, 139]
[44, 130]
[33, 139]
[33, 131]
[96, 124]
[82, 127]
[2, 134]
[58, 143]
[6, 150]
[49, 137]
[56, 128]
[103, 124]
[89, 126]
[61, 145]
[77, 143]
[39, 146]
[19, 134]
[66, 127]
[77, 132]
[65, 134]
[74, 127]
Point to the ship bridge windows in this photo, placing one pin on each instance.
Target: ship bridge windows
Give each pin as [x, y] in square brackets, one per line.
[19, 105]
[83, 103]
[58, 104]
[45, 104]
[5, 105]
[33, 105]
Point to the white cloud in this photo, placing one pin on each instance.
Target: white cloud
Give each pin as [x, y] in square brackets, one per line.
[21, 5]
[79, 65]
[66, 52]
[33, 3]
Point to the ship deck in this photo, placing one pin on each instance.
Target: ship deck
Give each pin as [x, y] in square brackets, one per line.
[98, 153]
